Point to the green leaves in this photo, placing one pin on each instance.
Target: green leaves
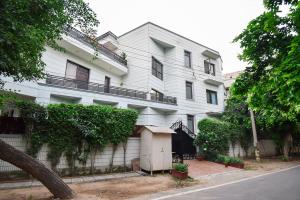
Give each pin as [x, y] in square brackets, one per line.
[27, 26]
[271, 46]
[213, 136]
[71, 129]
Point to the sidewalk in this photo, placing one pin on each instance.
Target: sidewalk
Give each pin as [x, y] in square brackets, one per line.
[81, 179]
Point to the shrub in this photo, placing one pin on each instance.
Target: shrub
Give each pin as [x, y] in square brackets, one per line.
[235, 160]
[212, 138]
[220, 158]
[180, 167]
[228, 159]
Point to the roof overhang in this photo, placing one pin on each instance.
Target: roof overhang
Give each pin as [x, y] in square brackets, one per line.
[210, 54]
[163, 44]
[213, 82]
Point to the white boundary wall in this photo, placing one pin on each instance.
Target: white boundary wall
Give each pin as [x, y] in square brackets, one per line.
[101, 162]
[266, 148]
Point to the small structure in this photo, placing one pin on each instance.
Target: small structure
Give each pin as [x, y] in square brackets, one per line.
[156, 148]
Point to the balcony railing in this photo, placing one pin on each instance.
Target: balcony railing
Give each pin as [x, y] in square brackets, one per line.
[74, 33]
[102, 88]
[95, 87]
[164, 99]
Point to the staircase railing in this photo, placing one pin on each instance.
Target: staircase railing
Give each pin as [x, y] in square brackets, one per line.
[179, 124]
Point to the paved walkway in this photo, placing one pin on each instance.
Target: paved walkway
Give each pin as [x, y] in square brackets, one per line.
[80, 179]
[199, 169]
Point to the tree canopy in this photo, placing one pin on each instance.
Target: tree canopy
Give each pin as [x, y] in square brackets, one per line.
[271, 47]
[27, 26]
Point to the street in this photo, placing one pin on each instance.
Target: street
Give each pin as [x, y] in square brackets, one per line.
[283, 185]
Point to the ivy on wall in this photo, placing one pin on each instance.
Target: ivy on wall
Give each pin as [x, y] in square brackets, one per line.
[74, 130]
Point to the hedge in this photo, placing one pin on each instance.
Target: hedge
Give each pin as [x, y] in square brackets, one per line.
[75, 130]
[213, 137]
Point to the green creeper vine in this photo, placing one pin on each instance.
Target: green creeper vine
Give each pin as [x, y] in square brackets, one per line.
[74, 130]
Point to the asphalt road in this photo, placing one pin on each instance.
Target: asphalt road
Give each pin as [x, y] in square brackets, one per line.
[284, 185]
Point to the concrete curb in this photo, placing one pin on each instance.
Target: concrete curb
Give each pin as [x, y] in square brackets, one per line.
[82, 179]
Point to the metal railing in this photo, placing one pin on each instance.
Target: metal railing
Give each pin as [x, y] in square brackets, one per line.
[179, 125]
[164, 99]
[95, 87]
[74, 33]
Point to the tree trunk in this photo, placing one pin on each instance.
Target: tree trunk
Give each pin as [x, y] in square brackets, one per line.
[124, 155]
[39, 171]
[93, 158]
[114, 148]
[287, 144]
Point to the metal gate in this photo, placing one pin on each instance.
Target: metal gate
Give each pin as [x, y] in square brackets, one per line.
[182, 142]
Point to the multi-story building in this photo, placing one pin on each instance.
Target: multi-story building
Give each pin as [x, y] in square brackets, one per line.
[164, 76]
[229, 79]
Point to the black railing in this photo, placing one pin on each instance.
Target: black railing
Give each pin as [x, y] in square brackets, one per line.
[74, 33]
[95, 87]
[179, 125]
[164, 99]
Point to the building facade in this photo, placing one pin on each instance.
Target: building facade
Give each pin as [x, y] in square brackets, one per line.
[229, 79]
[164, 76]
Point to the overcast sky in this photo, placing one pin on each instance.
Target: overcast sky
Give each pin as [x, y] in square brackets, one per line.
[213, 23]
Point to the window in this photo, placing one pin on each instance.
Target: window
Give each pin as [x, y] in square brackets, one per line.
[187, 59]
[212, 97]
[106, 84]
[156, 96]
[79, 73]
[190, 122]
[157, 68]
[209, 68]
[189, 90]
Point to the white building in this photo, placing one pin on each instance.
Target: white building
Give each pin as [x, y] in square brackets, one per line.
[229, 79]
[165, 77]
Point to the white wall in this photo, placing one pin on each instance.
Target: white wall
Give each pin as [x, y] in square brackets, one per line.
[56, 65]
[102, 158]
[168, 48]
[266, 148]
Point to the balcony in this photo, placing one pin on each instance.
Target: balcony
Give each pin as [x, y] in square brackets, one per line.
[164, 99]
[102, 88]
[74, 33]
[94, 87]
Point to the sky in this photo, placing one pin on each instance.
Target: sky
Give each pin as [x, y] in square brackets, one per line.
[213, 23]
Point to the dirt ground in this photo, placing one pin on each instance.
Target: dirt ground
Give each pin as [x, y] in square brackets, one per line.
[270, 164]
[104, 190]
[140, 186]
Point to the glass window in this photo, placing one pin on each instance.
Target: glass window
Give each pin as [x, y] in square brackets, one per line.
[157, 68]
[212, 97]
[156, 95]
[78, 75]
[189, 90]
[187, 59]
[209, 68]
[71, 70]
[190, 122]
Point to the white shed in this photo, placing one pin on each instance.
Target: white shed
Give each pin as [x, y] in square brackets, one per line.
[156, 148]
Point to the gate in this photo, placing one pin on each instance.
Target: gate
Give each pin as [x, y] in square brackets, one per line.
[182, 142]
